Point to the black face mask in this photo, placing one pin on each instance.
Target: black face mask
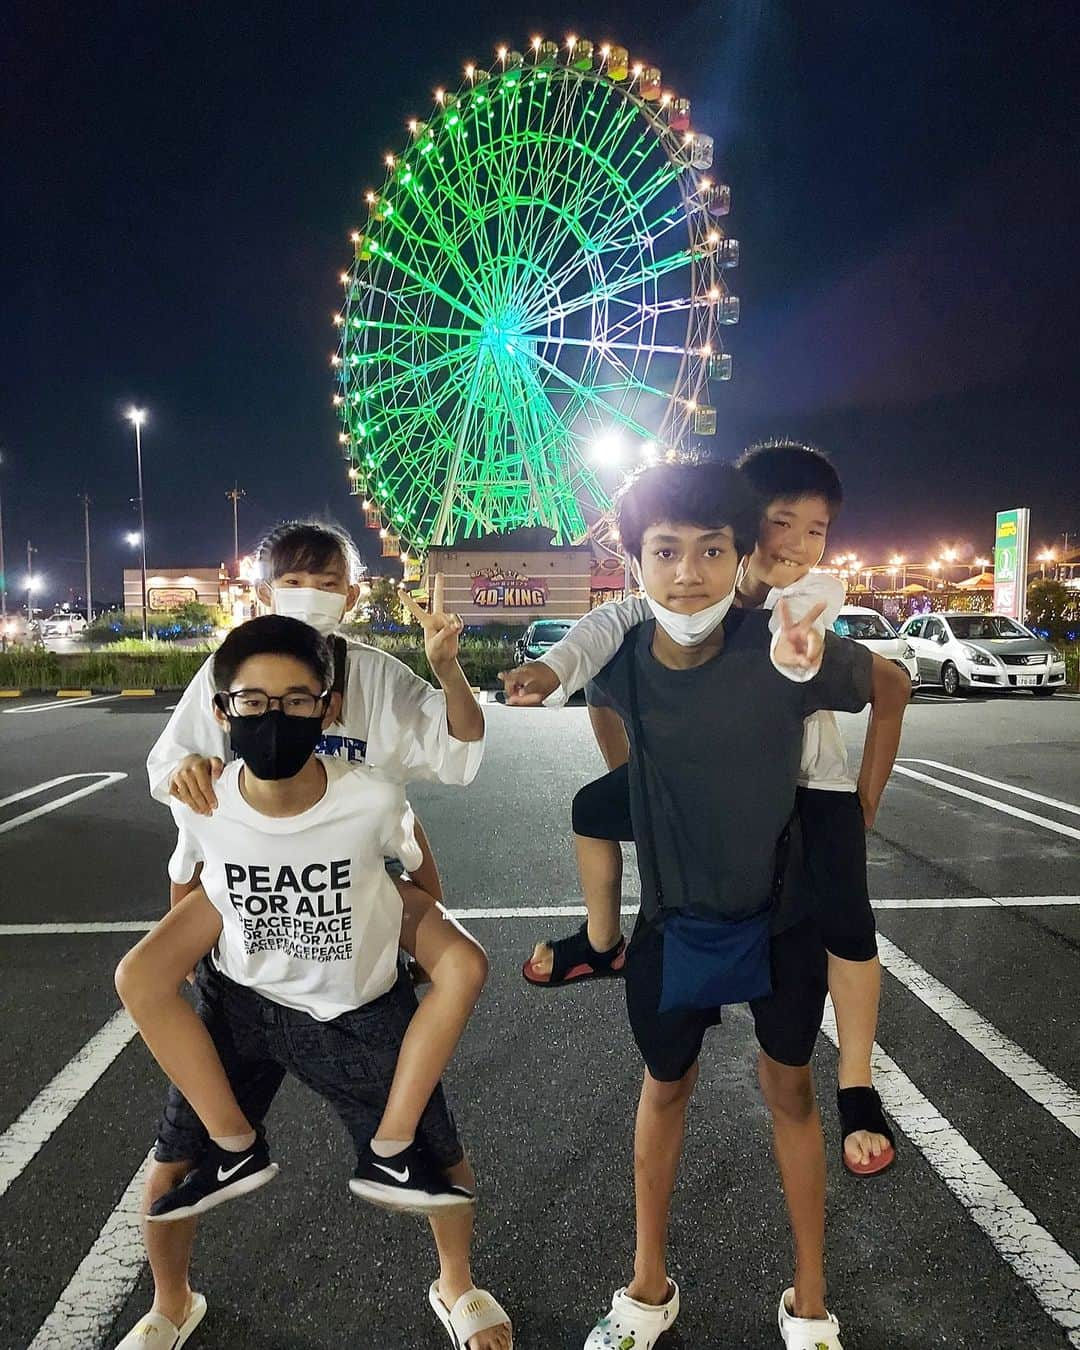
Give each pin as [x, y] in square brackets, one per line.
[275, 746]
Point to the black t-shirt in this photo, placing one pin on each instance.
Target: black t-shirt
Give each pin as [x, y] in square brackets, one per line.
[720, 761]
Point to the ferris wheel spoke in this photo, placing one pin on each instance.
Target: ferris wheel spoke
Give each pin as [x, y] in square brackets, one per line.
[428, 284]
[592, 397]
[468, 214]
[434, 251]
[414, 370]
[442, 520]
[653, 272]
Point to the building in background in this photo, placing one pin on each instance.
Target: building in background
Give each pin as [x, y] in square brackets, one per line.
[513, 578]
[169, 588]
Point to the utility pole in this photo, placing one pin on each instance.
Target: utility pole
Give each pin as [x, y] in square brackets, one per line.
[30, 551]
[234, 496]
[86, 527]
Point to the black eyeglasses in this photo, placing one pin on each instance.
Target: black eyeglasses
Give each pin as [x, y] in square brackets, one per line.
[255, 702]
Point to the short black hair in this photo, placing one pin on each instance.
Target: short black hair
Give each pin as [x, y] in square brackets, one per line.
[788, 471]
[309, 546]
[686, 490]
[273, 635]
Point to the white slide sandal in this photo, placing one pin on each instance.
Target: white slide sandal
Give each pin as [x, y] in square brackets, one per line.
[630, 1323]
[476, 1310]
[807, 1333]
[154, 1332]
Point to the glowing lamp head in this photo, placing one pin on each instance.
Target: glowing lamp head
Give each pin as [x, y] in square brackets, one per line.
[136, 416]
[133, 537]
[896, 561]
[608, 448]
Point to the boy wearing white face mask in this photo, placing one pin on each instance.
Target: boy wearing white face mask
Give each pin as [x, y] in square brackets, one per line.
[716, 732]
[801, 494]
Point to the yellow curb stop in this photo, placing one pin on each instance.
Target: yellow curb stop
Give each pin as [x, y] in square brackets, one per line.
[74, 693]
[137, 693]
[11, 693]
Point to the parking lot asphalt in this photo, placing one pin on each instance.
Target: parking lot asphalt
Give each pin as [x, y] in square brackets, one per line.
[971, 1242]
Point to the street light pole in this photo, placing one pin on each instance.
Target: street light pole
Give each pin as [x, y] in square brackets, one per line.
[138, 417]
[86, 526]
[30, 551]
[234, 496]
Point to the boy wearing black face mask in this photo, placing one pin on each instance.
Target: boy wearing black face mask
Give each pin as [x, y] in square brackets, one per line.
[299, 924]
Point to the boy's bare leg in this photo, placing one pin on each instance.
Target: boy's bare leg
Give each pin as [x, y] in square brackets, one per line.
[168, 1245]
[799, 1146]
[855, 987]
[658, 1141]
[600, 864]
[457, 966]
[453, 1240]
[148, 980]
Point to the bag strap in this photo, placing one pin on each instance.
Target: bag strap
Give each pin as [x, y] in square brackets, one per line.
[639, 738]
[341, 656]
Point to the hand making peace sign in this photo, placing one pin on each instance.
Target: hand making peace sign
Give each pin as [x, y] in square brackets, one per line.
[799, 644]
[441, 631]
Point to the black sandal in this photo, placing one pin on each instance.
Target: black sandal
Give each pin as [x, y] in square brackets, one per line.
[574, 960]
[860, 1109]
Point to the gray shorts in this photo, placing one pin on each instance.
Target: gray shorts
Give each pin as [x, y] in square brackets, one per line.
[349, 1062]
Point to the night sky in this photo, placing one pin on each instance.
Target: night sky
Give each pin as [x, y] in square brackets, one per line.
[179, 181]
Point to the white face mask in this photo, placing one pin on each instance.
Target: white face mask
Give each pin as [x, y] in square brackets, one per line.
[690, 629]
[323, 610]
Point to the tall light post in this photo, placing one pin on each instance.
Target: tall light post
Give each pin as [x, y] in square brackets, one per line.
[895, 562]
[85, 499]
[31, 582]
[234, 496]
[137, 416]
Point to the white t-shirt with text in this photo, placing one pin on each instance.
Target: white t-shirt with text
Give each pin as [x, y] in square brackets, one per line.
[596, 637]
[310, 919]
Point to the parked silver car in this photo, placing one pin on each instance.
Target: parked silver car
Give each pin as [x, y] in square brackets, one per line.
[873, 630]
[983, 651]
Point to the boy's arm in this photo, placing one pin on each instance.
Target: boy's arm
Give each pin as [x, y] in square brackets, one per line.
[610, 736]
[890, 694]
[192, 734]
[572, 663]
[442, 633]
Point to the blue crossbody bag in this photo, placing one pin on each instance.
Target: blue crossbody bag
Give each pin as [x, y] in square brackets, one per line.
[706, 962]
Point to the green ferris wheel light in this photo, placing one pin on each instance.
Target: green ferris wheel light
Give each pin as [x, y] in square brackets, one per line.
[541, 276]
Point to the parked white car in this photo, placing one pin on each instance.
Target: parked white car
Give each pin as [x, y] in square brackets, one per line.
[873, 630]
[983, 651]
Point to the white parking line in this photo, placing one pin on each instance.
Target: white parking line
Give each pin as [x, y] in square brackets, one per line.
[60, 703]
[107, 780]
[104, 1280]
[1047, 1089]
[574, 912]
[1048, 1270]
[21, 1141]
[1068, 830]
[996, 783]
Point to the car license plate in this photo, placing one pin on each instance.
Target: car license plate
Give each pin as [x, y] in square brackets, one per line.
[1026, 681]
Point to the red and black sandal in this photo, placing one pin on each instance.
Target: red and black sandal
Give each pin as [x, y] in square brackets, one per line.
[574, 960]
[860, 1109]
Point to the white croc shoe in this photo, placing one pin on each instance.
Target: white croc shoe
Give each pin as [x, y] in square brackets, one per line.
[807, 1333]
[154, 1332]
[630, 1323]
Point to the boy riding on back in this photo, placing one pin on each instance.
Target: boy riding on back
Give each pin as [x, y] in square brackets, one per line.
[801, 495]
[715, 731]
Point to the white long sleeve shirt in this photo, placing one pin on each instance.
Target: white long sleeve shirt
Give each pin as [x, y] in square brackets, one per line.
[390, 719]
[596, 637]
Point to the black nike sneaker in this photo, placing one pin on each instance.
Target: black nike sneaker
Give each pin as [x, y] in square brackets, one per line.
[219, 1176]
[408, 1181]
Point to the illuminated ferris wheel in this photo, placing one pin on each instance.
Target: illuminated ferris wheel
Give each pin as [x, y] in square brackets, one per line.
[540, 285]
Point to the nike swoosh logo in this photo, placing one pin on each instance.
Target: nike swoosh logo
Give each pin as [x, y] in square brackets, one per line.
[398, 1176]
[223, 1175]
